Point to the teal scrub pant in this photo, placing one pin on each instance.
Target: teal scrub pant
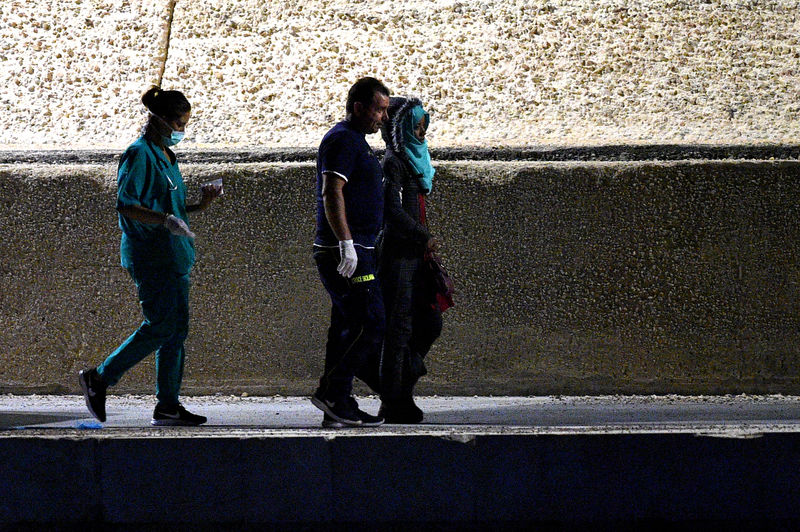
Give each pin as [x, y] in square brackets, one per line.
[164, 297]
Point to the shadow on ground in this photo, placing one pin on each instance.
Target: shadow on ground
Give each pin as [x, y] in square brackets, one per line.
[12, 420]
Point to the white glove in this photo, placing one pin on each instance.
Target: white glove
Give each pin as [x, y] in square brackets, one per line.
[347, 265]
[177, 226]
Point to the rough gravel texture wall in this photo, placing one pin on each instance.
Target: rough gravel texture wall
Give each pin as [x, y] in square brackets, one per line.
[506, 73]
[572, 278]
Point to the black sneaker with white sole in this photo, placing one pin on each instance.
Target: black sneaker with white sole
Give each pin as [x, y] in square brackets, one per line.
[366, 421]
[94, 392]
[177, 416]
[329, 423]
[340, 410]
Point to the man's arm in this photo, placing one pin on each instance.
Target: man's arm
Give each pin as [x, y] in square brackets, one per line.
[333, 200]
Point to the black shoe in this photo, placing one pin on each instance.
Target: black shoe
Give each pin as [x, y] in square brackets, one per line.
[341, 410]
[176, 416]
[94, 391]
[367, 420]
[401, 413]
[329, 423]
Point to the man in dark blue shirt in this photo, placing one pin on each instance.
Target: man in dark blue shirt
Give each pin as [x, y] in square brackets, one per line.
[349, 217]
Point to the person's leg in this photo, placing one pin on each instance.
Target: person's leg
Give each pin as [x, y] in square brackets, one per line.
[370, 314]
[425, 324]
[426, 327]
[357, 321]
[370, 371]
[157, 296]
[398, 299]
[170, 359]
[170, 356]
[359, 314]
[334, 382]
[336, 332]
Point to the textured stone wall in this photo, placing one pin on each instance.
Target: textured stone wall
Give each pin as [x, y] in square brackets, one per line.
[573, 278]
[528, 72]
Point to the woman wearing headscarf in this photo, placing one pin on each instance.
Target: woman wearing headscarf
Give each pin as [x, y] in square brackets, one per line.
[412, 323]
[157, 249]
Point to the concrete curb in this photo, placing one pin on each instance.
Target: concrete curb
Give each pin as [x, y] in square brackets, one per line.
[586, 463]
[316, 482]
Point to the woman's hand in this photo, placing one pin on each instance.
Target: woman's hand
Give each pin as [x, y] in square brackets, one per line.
[210, 193]
[432, 246]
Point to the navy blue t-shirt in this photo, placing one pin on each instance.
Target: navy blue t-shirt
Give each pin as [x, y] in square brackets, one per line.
[344, 151]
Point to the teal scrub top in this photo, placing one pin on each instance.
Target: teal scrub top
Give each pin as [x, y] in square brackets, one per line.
[148, 178]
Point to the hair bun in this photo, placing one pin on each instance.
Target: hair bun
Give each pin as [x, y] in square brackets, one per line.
[168, 104]
[150, 96]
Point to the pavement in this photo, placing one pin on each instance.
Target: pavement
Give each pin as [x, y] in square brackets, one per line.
[733, 416]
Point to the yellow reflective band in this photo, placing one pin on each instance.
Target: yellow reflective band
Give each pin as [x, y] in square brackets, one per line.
[363, 278]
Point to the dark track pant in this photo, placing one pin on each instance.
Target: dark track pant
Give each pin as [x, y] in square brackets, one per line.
[357, 322]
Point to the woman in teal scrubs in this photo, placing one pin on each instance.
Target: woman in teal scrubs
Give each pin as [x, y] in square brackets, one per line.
[157, 249]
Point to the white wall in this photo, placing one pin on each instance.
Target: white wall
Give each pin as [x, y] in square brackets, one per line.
[513, 73]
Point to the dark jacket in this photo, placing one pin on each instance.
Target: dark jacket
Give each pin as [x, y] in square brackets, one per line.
[403, 233]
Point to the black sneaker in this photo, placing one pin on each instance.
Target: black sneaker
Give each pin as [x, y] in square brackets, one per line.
[94, 391]
[329, 423]
[176, 417]
[401, 413]
[341, 410]
[367, 420]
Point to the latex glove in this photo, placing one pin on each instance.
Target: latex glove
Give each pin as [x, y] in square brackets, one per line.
[347, 265]
[177, 226]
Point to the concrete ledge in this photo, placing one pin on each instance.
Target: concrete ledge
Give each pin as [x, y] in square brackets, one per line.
[649, 152]
[572, 278]
[477, 463]
[314, 481]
